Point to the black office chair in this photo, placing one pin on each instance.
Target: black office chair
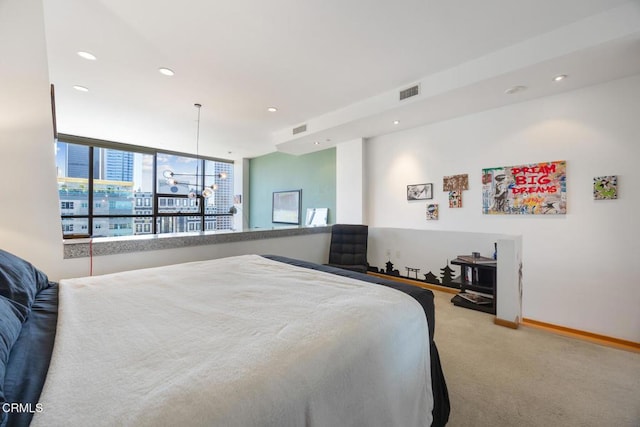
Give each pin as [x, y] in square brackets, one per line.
[348, 248]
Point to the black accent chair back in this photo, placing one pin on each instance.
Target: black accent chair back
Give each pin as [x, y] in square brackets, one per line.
[348, 248]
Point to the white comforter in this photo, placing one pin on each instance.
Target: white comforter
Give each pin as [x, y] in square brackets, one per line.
[241, 341]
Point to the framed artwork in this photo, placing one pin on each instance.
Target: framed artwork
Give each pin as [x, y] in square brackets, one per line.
[286, 207]
[455, 182]
[532, 189]
[419, 191]
[605, 187]
[316, 217]
[432, 211]
[455, 199]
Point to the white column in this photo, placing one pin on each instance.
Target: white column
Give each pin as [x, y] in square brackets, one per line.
[30, 225]
[509, 282]
[350, 186]
[241, 188]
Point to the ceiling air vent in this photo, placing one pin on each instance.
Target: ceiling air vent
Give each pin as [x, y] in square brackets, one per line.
[299, 129]
[409, 92]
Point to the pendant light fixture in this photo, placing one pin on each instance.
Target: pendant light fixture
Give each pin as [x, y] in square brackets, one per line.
[207, 191]
[192, 194]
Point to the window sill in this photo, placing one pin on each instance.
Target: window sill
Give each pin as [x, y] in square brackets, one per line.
[85, 247]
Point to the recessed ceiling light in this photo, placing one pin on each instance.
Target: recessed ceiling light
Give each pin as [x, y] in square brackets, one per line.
[81, 88]
[560, 77]
[515, 89]
[396, 122]
[317, 143]
[166, 71]
[272, 109]
[87, 55]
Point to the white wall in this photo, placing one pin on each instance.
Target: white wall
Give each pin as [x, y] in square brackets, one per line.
[29, 219]
[580, 269]
[428, 250]
[350, 193]
[431, 250]
[241, 188]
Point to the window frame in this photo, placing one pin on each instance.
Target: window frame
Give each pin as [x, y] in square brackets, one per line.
[154, 213]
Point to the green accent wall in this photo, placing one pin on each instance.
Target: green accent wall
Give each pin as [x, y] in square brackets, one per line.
[314, 174]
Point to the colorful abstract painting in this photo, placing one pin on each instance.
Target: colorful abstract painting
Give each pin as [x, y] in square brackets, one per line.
[455, 182]
[455, 199]
[605, 187]
[532, 189]
[432, 211]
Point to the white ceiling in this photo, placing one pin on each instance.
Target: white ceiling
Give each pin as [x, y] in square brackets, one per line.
[335, 65]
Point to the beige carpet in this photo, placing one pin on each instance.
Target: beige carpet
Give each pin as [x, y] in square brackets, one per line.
[527, 377]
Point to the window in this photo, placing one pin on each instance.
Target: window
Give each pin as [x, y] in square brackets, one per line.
[181, 182]
[109, 189]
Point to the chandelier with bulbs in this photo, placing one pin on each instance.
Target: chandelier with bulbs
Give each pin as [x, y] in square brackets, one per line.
[174, 179]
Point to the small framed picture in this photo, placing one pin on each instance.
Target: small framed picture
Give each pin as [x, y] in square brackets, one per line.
[455, 199]
[432, 212]
[419, 191]
[316, 217]
[605, 187]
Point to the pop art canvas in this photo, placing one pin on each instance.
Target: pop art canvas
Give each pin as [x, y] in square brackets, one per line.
[455, 199]
[432, 211]
[605, 187]
[455, 182]
[532, 189]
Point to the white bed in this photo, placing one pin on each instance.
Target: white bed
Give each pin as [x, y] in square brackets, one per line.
[241, 341]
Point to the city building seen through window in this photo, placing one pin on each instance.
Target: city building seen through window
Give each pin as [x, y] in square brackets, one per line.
[106, 191]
